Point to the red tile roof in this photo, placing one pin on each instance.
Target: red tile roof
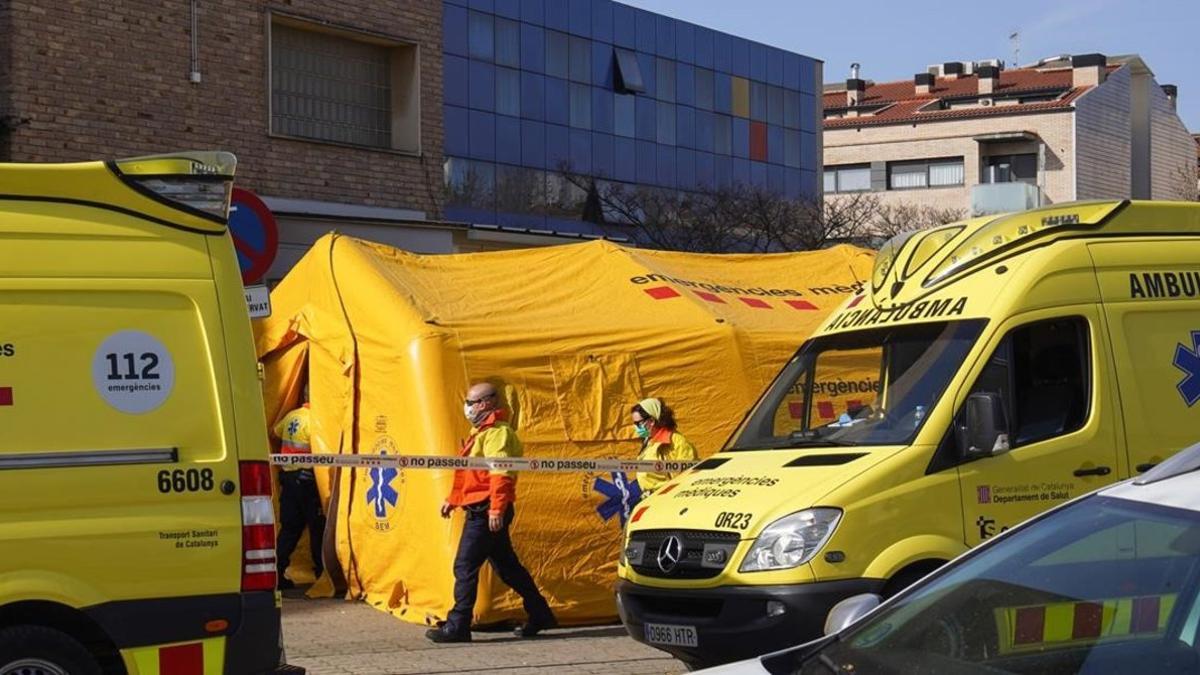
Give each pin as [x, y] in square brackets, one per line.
[903, 105]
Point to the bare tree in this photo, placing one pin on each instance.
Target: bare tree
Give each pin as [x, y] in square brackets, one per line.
[700, 221]
[838, 218]
[743, 218]
[1186, 176]
[732, 218]
[893, 218]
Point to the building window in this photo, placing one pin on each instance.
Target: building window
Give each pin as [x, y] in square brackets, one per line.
[666, 123]
[666, 80]
[470, 184]
[946, 172]
[624, 116]
[581, 60]
[557, 54]
[775, 106]
[925, 173]
[581, 106]
[520, 190]
[722, 135]
[481, 38]
[508, 43]
[856, 178]
[629, 74]
[907, 175]
[705, 93]
[564, 199]
[344, 88]
[758, 101]
[1010, 169]
[508, 92]
[740, 94]
[791, 109]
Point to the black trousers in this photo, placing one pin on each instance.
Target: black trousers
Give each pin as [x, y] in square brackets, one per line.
[478, 544]
[299, 508]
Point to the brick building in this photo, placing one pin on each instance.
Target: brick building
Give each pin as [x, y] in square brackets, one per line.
[333, 109]
[341, 117]
[979, 138]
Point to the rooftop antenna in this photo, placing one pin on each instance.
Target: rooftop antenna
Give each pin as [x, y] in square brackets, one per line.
[1014, 40]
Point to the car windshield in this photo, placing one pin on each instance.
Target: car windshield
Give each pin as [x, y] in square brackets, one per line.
[1103, 586]
[868, 387]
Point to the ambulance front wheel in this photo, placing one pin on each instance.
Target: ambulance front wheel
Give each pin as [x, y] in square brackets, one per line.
[36, 650]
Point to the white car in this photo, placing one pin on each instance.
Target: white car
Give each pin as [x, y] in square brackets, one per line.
[1107, 583]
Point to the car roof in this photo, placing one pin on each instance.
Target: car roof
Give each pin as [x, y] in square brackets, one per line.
[1175, 482]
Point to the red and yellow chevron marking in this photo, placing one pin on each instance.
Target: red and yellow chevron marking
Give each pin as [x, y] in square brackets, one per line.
[1063, 624]
[201, 657]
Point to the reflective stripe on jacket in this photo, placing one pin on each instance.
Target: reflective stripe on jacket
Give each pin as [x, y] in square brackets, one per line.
[664, 446]
[293, 434]
[495, 439]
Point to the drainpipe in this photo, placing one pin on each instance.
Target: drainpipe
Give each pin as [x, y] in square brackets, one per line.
[1041, 172]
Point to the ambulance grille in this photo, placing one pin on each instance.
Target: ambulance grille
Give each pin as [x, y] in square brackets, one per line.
[691, 563]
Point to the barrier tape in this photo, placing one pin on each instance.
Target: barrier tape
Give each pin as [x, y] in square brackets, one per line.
[532, 464]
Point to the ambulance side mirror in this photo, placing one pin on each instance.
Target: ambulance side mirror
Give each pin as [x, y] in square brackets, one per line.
[850, 610]
[982, 428]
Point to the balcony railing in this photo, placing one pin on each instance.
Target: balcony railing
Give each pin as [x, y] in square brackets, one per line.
[989, 198]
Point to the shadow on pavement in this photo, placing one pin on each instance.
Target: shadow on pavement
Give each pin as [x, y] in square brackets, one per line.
[493, 636]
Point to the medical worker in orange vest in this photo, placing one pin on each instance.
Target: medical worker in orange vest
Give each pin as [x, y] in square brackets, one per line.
[299, 501]
[487, 498]
[654, 423]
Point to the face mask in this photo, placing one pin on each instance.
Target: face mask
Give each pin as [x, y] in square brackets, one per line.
[467, 412]
[641, 431]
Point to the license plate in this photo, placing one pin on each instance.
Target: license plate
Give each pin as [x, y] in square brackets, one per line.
[674, 636]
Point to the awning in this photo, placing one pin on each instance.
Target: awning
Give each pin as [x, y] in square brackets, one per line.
[518, 234]
[1008, 137]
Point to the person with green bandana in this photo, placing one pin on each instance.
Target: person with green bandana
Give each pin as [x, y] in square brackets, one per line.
[654, 423]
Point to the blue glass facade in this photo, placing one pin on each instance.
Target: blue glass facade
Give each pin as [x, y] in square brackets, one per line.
[535, 87]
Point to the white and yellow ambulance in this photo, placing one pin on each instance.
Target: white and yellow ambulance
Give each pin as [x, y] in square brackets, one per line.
[991, 369]
[136, 522]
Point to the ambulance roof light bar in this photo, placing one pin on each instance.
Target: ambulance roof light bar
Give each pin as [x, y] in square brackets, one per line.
[198, 182]
[1007, 233]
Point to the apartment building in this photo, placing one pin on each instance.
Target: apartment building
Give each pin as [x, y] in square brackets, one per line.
[981, 138]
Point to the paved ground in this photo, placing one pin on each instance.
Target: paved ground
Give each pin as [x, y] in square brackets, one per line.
[335, 637]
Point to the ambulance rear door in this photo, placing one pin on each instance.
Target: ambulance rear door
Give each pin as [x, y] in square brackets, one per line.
[119, 478]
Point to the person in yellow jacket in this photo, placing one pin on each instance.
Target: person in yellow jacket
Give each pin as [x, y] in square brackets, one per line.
[654, 423]
[487, 497]
[299, 501]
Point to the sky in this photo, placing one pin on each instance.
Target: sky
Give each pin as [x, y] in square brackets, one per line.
[894, 40]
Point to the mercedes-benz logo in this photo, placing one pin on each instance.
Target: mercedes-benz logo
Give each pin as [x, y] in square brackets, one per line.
[669, 553]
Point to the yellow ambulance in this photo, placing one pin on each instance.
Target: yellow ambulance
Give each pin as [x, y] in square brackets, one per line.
[136, 522]
[989, 370]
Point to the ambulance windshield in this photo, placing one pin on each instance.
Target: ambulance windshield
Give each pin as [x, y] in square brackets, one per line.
[868, 387]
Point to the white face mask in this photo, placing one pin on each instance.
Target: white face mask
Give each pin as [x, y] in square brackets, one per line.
[467, 411]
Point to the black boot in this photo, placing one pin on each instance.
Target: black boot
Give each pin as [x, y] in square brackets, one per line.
[442, 636]
[535, 626]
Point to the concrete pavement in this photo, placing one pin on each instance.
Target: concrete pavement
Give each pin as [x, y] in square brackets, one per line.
[335, 637]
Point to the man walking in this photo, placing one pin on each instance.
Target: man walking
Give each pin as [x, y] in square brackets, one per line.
[299, 501]
[487, 498]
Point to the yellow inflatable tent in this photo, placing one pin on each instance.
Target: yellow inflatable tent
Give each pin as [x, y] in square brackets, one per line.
[574, 335]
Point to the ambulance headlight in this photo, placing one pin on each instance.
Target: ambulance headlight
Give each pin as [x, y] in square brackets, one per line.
[792, 540]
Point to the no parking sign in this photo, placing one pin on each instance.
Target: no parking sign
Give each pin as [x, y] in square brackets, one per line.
[255, 234]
